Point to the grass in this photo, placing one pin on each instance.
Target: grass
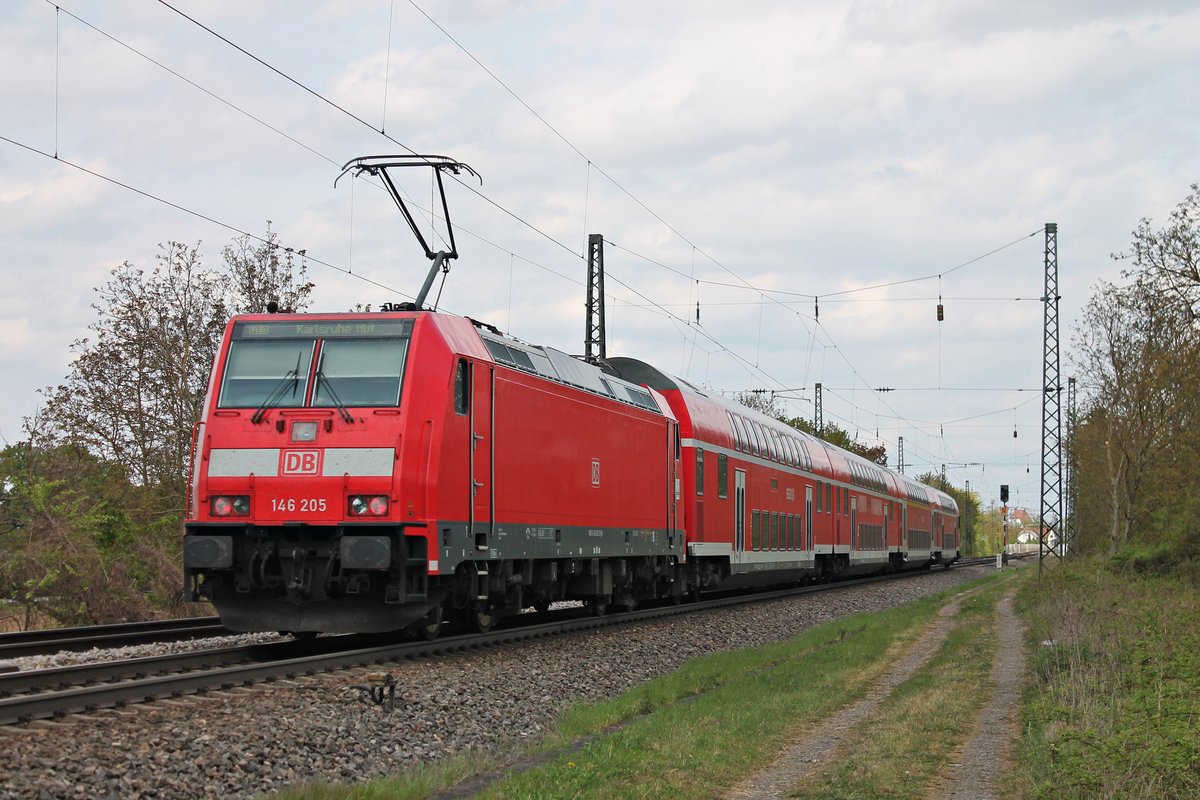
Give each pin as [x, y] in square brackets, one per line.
[413, 785]
[1114, 704]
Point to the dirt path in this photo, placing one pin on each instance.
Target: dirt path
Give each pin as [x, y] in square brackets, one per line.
[976, 774]
[812, 750]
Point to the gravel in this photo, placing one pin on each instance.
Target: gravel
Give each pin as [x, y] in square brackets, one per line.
[249, 742]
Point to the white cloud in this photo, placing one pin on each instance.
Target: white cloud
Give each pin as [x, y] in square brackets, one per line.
[808, 147]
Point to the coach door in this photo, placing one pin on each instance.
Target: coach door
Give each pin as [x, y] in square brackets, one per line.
[808, 494]
[674, 453]
[483, 416]
[853, 523]
[739, 509]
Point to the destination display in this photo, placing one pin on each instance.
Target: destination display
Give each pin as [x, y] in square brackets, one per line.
[322, 329]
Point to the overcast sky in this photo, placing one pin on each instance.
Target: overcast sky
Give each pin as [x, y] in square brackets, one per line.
[730, 153]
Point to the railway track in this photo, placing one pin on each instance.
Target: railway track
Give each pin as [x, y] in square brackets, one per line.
[55, 693]
[32, 643]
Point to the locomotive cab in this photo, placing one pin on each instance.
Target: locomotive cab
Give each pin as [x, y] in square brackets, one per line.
[298, 519]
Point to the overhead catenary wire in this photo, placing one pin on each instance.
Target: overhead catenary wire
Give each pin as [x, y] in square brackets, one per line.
[651, 304]
[199, 215]
[590, 162]
[484, 197]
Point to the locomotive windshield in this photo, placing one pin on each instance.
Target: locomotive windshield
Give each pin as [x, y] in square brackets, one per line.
[360, 372]
[270, 364]
[257, 370]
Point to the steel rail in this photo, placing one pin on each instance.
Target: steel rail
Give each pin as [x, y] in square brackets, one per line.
[40, 642]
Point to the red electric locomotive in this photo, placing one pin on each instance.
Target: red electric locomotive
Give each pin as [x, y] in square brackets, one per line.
[361, 472]
[367, 472]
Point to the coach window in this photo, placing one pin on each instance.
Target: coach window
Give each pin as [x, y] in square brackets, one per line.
[461, 384]
[699, 471]
[804, 454]
[829, 498]
[820, 496]
[739, 437]
[755, 529]
[722, 475]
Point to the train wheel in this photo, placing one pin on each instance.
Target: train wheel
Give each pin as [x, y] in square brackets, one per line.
[541, 606]
[597, 608]
[430, 625]
[482, 619]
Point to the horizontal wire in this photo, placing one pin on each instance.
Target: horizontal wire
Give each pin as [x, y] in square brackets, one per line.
[652, 304]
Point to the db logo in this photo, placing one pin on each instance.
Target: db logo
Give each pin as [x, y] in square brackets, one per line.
[300, 462]
[595, 472]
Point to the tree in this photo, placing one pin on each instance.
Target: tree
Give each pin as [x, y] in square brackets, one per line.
[94, 498]
[1137, 349]
[1138, 359]
[262, 272]
[1169, 259]
[137, 384]
[81, 544]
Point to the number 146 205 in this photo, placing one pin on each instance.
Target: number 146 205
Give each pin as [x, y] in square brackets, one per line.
[302, 505]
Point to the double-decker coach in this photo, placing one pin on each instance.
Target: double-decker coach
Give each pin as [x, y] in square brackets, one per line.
[766, 503]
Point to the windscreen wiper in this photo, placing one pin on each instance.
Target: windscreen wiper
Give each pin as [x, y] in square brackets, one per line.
[291, 379]
[337, 401]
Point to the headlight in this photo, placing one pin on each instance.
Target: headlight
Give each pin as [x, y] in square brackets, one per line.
[230, 506]
[368, 505]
